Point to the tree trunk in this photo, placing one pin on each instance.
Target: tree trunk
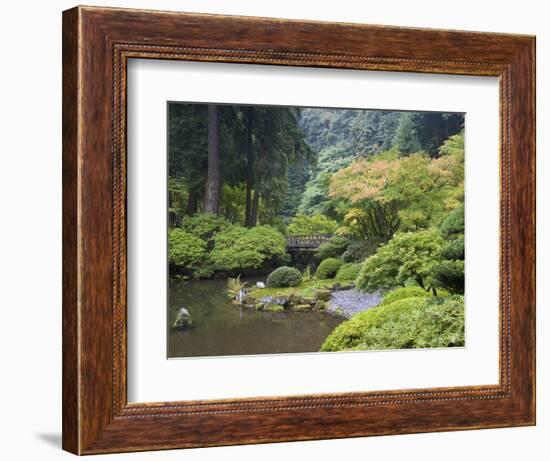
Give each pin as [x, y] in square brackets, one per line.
[255, 206]
[420, 281]
[192, 202]
[212, 191]
[249, 171]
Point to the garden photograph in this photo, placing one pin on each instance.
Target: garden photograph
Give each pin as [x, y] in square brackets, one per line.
[307, 230]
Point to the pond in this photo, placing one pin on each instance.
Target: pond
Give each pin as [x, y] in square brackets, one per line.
[222, 328]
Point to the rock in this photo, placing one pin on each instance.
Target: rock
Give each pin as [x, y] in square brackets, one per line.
[295, 299]
[183, 320]
[260, 285]
[249, 300]
[322, 295]
[302, 307]
[279, 300]
[321, 305]
[259, 306]
[273, 307]
[241, 295]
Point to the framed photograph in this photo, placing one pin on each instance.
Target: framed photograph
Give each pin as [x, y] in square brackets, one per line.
[284, 230]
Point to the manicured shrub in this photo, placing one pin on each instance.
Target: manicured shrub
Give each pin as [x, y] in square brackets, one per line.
[441, 323]
[284, 276]
[453, 224]
[348, 335]
[404, 293]
[347, 272]
[269, 241]
[302, 224]
[449, 275]
[328, 268]
[204, 225]
[407, 323]
[333, 248]
[454, 249]
[239, 248]
[407, 256]
[185, 249]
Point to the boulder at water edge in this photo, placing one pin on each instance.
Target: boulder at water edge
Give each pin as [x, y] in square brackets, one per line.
[183, 320]
[322, 295]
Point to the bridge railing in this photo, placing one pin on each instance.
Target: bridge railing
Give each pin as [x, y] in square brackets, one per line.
[307, 241]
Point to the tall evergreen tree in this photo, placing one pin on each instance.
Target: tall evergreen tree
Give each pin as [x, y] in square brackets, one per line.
[406, 137]
[212, 189]
[187, 149]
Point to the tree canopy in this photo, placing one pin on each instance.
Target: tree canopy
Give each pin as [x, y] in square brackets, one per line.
[368, 177]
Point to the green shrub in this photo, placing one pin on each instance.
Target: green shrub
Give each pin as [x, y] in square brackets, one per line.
[240, 248]
[407, 323]
[404, 293]
[302, 224]
[333, 248]
[185, 249]
[328, 268]
[204, 225]
[441, 323]
[348, 335]
[284, 276]
[407, 256]
[348, 271]
[453, 224]
[449, 274]
[454, 249]
[204, 271]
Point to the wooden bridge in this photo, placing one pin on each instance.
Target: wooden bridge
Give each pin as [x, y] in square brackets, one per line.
[306, 242]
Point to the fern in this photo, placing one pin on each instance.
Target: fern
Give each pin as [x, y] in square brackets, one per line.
[234, 286]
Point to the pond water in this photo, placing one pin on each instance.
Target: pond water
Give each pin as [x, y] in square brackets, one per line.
[221, 328]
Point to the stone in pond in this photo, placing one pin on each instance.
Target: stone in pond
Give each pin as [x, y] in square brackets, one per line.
[183, 320]
[249, 300]
[279, 300]
[320, 305]
[273, 307]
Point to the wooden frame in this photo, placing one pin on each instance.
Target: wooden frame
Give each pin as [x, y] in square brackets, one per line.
[97, 43]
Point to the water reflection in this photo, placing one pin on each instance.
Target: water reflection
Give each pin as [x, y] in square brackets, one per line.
[221, 328]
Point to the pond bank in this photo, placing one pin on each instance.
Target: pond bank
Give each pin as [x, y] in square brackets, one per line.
[221, 328]
[337, 299]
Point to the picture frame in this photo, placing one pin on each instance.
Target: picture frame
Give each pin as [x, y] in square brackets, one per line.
[97, 44]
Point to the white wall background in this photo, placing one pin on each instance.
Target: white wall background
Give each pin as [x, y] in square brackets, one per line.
[30, 230]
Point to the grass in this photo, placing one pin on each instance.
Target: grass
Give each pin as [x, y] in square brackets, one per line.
[305, 289]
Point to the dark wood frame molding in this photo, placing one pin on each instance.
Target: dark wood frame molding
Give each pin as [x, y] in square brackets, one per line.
[97, 43]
